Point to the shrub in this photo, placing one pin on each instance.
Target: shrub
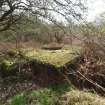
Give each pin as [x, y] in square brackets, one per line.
[91, 68]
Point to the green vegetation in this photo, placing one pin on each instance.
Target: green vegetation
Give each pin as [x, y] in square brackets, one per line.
[54, 57]
[7, 65]
[56, 95]
[60, 95]
[44, 56]
[33, 50]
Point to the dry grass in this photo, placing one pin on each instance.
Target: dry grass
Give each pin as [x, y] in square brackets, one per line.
[76, 97]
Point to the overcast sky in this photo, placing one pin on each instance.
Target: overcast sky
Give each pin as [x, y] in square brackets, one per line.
[96, 7]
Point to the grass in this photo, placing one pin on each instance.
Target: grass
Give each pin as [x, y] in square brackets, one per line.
[45, 96]
[76, 97]
[56, 95]
[41, 97]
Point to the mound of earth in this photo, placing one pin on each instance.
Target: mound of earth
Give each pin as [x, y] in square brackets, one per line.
[49, 58]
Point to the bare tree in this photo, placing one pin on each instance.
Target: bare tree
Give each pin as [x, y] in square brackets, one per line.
[12, 10]
[8, 14]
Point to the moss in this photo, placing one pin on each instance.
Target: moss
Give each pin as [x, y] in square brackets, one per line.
[16, 52]
[7, 65]
[57, 58]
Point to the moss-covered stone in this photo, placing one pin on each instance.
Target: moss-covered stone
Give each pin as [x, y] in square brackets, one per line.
[55, 59]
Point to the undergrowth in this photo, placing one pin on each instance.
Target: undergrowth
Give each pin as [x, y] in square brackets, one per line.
[56, 95]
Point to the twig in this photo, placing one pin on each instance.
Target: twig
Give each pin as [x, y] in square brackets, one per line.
[92, 82]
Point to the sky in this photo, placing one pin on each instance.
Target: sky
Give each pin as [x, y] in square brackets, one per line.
[96, 7]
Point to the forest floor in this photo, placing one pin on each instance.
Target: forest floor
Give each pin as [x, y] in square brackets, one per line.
[41, 84]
